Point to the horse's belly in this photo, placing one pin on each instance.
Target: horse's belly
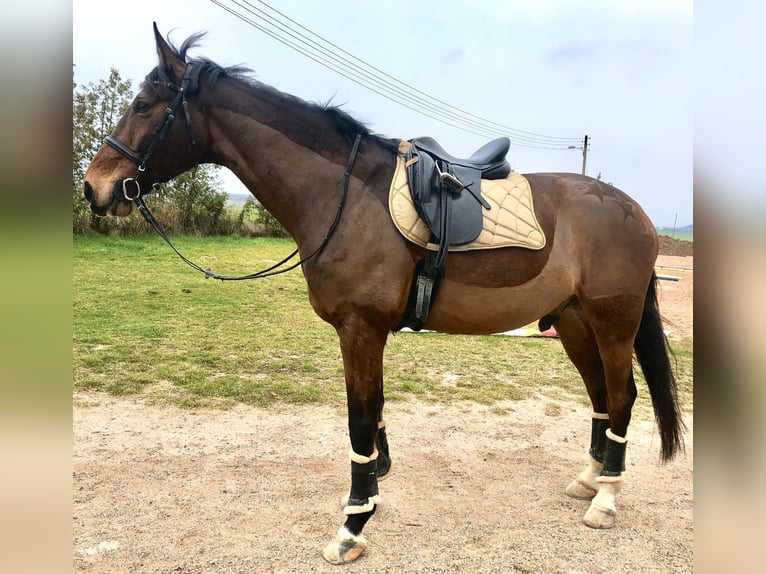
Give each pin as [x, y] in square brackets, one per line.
[470, 310]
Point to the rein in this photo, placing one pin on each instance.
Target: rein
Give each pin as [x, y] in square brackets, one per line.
[274, 269]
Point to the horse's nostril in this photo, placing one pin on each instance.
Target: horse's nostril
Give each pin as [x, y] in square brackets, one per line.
[88, 192]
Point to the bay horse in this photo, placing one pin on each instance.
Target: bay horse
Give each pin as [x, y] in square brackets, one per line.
[594, 279]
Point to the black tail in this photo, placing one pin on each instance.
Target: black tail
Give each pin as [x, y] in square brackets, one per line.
[652, 351]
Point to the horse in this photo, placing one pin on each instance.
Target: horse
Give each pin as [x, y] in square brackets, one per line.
[314, 168]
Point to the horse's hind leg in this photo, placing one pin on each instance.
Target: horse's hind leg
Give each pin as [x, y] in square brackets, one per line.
[599, 339]
[579, 342]
[614, 320]
[362, 349]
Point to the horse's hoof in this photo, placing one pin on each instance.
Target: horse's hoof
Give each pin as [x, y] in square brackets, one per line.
[600, 517]
[603, 511]
[580, 490]
[345, 547]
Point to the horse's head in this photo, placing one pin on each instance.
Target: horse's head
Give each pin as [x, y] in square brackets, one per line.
[155, 140]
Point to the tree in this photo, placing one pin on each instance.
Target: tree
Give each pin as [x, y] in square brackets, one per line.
[96, 109]
[190, 203]
[193, 204]
[270, 224]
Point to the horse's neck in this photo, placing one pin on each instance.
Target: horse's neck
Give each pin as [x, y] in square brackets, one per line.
[295, 183]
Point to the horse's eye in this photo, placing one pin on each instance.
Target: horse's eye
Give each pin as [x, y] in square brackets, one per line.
[141, 107]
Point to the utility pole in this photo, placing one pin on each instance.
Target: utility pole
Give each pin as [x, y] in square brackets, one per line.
[584, 153]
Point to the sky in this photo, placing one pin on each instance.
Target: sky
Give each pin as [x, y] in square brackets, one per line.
[620, 72]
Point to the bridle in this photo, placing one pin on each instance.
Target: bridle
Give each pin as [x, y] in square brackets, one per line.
[191, 76]
[191, 79]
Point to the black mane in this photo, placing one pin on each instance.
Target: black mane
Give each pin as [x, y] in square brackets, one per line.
[210, 72]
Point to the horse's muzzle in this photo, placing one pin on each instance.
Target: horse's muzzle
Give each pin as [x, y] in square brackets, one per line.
[116, 204]
[88, 193]
[90, 196]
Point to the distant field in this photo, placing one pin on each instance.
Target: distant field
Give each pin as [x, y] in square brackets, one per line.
[237, 199]
[683, 235]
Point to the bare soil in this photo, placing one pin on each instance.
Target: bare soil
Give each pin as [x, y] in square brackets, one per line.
[677, 296]
[673, 246]
[473, 489]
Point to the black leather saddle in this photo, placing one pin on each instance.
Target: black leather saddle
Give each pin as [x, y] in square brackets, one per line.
[446, 191]
[489, 158]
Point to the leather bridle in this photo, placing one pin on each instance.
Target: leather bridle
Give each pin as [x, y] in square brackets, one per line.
[131, 189]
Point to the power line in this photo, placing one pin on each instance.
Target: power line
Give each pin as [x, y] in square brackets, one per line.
[330, 60]
[324, 62]
[413, 89]
[376, 80]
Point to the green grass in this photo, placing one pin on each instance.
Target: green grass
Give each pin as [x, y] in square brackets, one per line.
[145, 324]
[683, 235]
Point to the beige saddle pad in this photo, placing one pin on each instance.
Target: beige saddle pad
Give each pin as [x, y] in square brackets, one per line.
[510, 222]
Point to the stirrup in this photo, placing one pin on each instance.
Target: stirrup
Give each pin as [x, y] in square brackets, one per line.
[449, 181]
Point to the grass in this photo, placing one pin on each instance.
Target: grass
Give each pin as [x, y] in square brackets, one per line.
[145, 324]
[682, 235]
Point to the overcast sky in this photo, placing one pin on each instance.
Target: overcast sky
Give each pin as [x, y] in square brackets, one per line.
[620, 72]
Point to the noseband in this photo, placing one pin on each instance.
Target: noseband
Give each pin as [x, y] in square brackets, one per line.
[141, 161]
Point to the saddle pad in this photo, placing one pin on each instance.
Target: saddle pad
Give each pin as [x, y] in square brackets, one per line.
[510, 222]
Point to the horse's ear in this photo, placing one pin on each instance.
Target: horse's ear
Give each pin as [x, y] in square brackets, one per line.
[170, 63]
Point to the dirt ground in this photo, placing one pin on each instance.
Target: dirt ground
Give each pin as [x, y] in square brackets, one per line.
[473, 488]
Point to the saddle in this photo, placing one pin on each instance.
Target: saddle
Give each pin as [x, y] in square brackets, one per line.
[446, 192]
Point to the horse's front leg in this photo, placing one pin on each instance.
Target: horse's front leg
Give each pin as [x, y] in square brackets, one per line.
[362, 348]
[381, 441]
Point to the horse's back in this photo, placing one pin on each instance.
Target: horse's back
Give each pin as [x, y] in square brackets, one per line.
[607, 233]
